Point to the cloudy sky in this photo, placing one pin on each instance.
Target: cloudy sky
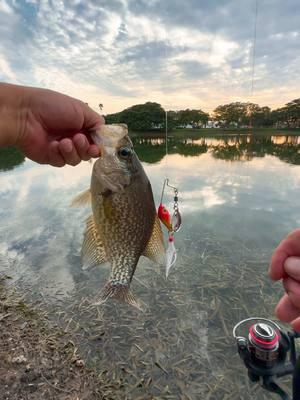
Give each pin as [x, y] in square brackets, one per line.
[192, 53]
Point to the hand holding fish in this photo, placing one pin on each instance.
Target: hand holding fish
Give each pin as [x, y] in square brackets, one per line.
[49, 127]
[285, 265]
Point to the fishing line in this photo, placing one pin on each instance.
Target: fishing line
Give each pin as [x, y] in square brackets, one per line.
[166, 140]
[250, 115]
[254, 46]
[172, 223]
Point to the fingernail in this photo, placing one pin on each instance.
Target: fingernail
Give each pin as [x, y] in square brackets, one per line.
[292, 265]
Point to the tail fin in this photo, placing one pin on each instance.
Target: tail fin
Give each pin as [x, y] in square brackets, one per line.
[119, 292]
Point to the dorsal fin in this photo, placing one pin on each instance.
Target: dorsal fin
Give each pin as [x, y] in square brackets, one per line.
[92, 252]
[82, 199]
[155, 249]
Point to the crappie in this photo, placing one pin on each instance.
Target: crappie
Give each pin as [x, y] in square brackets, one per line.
[123, 225]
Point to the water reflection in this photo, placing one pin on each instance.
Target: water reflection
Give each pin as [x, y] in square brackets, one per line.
[234, 214]
[230, 148]
[10, 157]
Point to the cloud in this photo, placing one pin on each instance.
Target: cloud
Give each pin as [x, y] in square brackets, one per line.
[6, 72]
[127, 51]
[5, 8]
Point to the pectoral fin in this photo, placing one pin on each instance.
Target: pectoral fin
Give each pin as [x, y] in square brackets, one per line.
[155, 249]
[82, 199]
[92, 252]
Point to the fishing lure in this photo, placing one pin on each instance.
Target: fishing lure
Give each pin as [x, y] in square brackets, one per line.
[173, 225]
[171, 254]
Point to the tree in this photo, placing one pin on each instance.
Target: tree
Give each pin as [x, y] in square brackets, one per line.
[243, 114]
[140, 117]
[113, 118]
[192, 117]
[262, 117]
[172, 120]
[293, 111]
[150, 115]
[289, 115]
[235, 114]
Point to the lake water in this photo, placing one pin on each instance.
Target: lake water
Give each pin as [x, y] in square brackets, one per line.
[239, 196]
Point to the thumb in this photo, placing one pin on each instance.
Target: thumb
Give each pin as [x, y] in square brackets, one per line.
[292, 267]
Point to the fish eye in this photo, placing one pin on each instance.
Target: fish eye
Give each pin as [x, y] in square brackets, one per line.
[124, 152]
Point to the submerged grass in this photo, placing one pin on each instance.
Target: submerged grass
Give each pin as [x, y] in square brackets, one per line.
[181, 346]
[38, 361]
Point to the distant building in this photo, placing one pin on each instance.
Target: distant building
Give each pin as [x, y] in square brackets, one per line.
[212, 124]
[187, 126]
[156, 126]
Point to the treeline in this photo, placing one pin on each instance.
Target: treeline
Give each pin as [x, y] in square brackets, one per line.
[150, 116]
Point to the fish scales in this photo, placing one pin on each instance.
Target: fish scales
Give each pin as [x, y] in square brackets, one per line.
[124, 241]
[124, 224]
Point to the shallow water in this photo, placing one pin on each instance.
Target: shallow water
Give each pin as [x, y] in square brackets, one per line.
[238, 197]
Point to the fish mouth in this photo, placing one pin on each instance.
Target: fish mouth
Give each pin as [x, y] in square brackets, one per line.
[98, 142]
[108, 136]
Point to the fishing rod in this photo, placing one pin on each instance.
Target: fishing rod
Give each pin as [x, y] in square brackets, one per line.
[268, 353]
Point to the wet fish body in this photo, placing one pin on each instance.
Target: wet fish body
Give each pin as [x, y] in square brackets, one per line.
[123, 225]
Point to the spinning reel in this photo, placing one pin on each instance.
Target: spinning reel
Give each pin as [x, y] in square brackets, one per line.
[268, 353]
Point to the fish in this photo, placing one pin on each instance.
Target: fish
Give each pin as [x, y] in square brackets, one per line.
[124, 224]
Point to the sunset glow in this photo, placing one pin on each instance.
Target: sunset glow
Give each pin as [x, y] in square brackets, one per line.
[124, 52]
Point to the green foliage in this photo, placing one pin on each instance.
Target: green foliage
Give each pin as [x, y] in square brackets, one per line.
[289, 115]
[151, 116]
[140, 117]
[10, 157]
[244, 115]
[234, 114]
[196, 118]
[263, 117]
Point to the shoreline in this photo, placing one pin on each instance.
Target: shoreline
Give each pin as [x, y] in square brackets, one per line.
[41, 362]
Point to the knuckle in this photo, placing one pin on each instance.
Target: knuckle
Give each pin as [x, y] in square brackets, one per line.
[74, 162]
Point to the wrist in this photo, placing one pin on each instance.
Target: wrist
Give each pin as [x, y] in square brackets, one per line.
[13, 114]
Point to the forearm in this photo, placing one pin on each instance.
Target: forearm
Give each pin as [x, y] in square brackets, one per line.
[13, 113]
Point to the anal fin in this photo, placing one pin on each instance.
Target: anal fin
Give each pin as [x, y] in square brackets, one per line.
[93, 252]
[155, 249]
